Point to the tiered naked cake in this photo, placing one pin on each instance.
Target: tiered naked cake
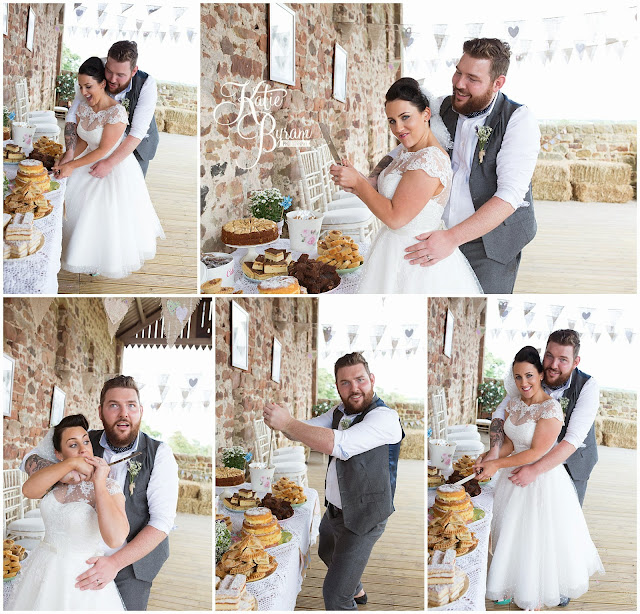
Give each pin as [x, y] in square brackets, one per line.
[260, 523]
[453, 498]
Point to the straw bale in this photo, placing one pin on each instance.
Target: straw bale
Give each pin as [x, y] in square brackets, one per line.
[552, 190]
[602, 193]
[192, 506]
[600, 172]
[616, 432]
[188, 490]
[551, 170]
[412, 446]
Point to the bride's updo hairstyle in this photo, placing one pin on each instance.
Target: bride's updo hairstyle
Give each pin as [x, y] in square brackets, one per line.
[65, 423]
[408, 89]
[93, 67]
[529, 354]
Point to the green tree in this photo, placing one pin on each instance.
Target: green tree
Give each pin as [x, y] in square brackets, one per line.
[326, 385]
[493, 366]
[149, 431]
[181, 445]
[70, 60]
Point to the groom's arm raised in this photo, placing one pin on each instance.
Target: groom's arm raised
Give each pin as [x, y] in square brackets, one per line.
[162, 498]
[140, 122]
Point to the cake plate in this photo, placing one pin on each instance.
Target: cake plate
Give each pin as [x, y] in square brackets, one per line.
[251, 254]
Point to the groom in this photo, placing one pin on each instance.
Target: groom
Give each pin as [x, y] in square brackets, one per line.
[579, 396]
[490, 211]
[150, 487]
[138, 93]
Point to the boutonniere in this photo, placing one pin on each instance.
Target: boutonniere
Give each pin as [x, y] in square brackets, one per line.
[564, 403]
[484, 132]
[133, 469]
[125, 103]
[345, 423]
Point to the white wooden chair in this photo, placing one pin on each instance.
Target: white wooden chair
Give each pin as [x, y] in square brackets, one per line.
[438, 414]
[356, 221]
[335, 197]
[16, 524]
[45, 121]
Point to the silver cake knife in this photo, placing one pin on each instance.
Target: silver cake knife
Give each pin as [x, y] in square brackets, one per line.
[465, 480]
[326, 133]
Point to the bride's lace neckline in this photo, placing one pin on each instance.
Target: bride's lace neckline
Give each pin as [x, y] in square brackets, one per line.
[521, 413]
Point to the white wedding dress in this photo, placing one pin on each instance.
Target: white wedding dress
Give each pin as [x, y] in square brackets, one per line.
[542, 549]
[386, 271]
[48, 577]
[111, 225]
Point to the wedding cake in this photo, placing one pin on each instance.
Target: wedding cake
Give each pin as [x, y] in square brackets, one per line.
[453, 498]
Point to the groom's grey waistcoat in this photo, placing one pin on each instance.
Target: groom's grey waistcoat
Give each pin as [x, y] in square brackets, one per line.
[136, 505]
[148, 146]
[505, 241]
[364, 482]
[583, 460]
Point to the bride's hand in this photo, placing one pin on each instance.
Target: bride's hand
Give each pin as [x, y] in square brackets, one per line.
[61, 171]
[433, 247]
[345, 176]
[487, 469]
[100, 468]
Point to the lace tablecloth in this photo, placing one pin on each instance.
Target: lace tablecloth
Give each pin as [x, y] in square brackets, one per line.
[348, 285]
[38, 273]
[279, 591]
[475, 563]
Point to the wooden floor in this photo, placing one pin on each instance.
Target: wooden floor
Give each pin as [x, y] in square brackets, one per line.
[184, 582]
[610, 511]
[581, 248]
[394, 577]
[172, 180]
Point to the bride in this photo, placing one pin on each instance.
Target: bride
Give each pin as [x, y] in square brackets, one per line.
[111, 226]
[542, 550]
[79, 519]
[412, 194]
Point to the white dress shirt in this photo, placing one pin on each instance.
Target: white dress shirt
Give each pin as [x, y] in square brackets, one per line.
[379, 427]
[583, 415]
[142, 114]
[516, 162]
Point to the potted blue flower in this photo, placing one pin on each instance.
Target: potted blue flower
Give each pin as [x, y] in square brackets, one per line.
[270, 204]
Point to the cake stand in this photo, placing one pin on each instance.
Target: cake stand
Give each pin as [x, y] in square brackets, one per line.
[251, 254]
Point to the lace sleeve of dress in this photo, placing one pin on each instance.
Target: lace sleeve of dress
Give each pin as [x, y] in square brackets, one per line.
[550, 409]
[117, 114]
[433, 162]
[113, 488]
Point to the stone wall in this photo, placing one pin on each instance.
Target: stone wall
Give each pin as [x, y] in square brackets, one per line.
[587, 161]
[241, 395]
[235, 49]
[195, 468]
[177, 108]
[616, 403]
[40, 66]
[460, 374]
[71, 349]
[177, 95]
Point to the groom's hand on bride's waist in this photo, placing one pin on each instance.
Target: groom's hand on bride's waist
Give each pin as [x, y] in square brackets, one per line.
[101, 169]
[103, 571]
[433, 247]
[525, 475]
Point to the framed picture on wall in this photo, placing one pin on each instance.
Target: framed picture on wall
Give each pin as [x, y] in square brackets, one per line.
[448, 334]
[277, 356]
[57, 405]
[8, 365]
[31, 27]
[239, 337]
[5, 19]
[340, 74]
[282, 44]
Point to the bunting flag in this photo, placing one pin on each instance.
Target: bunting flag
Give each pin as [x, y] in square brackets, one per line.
[178, 11]
[116, 308]
[176, 313]
[39, 307]
[125, 6]
[152, 8]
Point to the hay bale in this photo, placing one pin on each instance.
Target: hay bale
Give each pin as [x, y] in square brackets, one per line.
[602, 193]
[600, 172]
[552, 190]
[616, 432]
[551, 170]
[412, 446]
[188, 490]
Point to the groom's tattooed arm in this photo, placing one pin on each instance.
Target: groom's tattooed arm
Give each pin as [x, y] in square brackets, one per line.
[496, 433]
[70, 136]
[380, 167]
[35, 463]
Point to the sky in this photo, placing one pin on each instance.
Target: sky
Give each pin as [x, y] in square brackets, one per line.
[399, 314]
[582, 89]
[614, 364]
[181, 368]
[165, 60]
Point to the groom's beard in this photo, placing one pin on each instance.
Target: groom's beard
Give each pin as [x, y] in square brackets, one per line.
[117, 90]
[473, 103]
[118, 439]
[356, 408]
